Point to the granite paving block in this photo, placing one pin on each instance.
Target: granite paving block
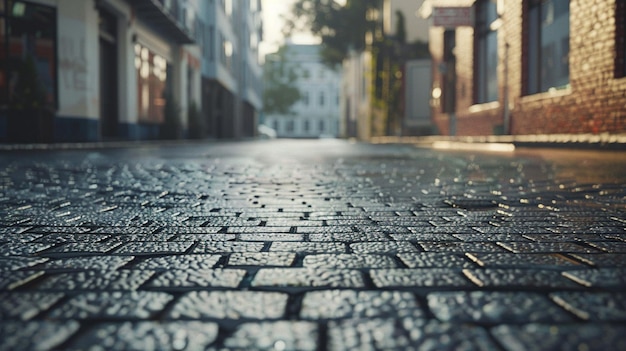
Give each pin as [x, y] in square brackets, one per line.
[261, 259]
[189, 230]
[593, 306]
[100, 263]
[179, 262]
[154, 247]
[335, 304]
[308, 247]
[131, 238]
[35, 335]
[435, 260]
[77, 249]
[258, 229]
[307, 277]
[196, 279]
[495, 307]
[279, 335]
[57, 238]
[270, 237]
[562, 237]
[325, 230]
[419, 278]
[614, 278]
[523, 260]
[227, 247]
[518, 278]
[459, 247]
[120, 280]
[348, 261]
[13, 263]
[234, 305]
[24, 305]
[609, 246]
[603, 260]
[120, 305]
[11, 280]
[22, 249]
[348, 237]
[204, 237]
[148, 336]
[423, 237]
[19, 238]
[489, 237]
[545, 247]
[561, 337]
[383, 247]
[405, 334]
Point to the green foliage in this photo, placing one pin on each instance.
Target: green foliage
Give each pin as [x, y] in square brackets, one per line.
[341, 27]
[280, 91]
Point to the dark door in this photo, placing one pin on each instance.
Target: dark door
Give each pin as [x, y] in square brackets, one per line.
[109, 119]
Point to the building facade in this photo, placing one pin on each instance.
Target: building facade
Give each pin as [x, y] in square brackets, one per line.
[89, 70]
[531, 67]
[231, 69]
[316, 114]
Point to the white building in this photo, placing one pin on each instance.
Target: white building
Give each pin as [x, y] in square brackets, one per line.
[317, 113]
[101, 67]
[231, 71]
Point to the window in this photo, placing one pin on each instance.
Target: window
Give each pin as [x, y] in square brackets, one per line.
[307, 125]
[151, 84]
[290, 126]
[322, 126]
[485, 53]
[275, 125]
[620, 39]
[28, 72]
[547, 51]
[305, 98]
[322, 98]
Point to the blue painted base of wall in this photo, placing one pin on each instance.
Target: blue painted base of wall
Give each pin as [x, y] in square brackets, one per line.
[76, 130]
[138, 131]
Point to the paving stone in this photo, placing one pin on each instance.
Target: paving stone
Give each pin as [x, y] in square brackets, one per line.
[610, 246]
[325, 230]
[521, 229]
[565, 237]
[179, 262]
[438, 237]
[495, 307]
[518, 278]
[77, 249]
[189, 230]
[127, 230]
[35, 335]
[58, 238]
[234, 305]
[13, 263]
[19, 238]
[188, 279]
[60, 229]
[227, 247]
[383, 247]
[545, 247]
[270, 237]
[25, 305]
[123, 280]
[460, 247]
[130, 238]
[307, 277]
[561, 337]
[22, 249]
[151, 248]
[419, 278]
[148, 336]
[204, 237]
[602, 277]
[261, 259]
[253, 230]
[348, 237]
[434, 260]
[530, 260]
[482, 237]
[308, 247]
[603, 260]
[593, 306]
[120, 305]
[11, 280]
[280, 335]
[407, 334]
[100, 263]
[334, 304]
[348, 261]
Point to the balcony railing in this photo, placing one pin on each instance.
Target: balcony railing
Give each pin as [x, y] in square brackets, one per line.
[171, 16]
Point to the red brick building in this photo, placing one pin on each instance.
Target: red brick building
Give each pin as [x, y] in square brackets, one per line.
[559, 65]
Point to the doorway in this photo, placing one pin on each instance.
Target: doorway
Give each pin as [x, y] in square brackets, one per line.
[109, 118]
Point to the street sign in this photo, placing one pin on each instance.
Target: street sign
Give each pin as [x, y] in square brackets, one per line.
[452, 17]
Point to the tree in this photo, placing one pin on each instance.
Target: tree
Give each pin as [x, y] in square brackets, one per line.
[341, 27]
[280, 91]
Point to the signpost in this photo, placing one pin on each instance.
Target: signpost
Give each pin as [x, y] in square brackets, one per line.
[452, 17]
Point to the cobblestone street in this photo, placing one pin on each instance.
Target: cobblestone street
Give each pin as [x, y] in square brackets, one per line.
[312, 245]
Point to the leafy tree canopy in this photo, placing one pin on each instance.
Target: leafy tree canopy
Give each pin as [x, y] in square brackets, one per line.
[341, 27]
[280, 91]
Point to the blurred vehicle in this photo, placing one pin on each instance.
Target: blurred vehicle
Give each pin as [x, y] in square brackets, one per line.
[265, 132]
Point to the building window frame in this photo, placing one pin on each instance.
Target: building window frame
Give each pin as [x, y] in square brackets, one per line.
[620, 39]
[485, 53]
[546, 56]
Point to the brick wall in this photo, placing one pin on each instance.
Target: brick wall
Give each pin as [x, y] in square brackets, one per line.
[595, 102]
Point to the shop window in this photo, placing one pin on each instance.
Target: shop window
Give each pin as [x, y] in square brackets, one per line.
[28, 73]
[620, 39]
[547, 51]
[485, 53]
[151, 84]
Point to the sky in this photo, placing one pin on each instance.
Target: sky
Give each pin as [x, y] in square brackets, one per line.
[273, 13]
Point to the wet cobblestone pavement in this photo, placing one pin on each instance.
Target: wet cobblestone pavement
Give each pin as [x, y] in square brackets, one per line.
[311, 245]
